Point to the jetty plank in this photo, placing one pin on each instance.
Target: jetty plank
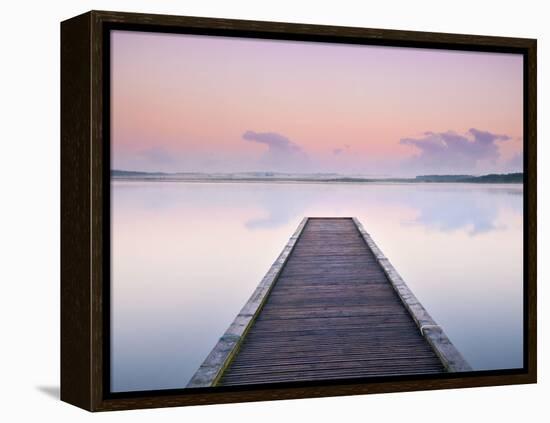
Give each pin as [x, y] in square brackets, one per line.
[336, 309]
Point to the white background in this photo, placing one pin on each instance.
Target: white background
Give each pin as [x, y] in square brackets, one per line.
[29, 232]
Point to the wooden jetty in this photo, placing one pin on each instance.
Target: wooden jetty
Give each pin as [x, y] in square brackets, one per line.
[331, 307]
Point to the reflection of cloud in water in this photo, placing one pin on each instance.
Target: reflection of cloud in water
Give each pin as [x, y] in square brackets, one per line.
[282, 204]
[444, 208]
[440, 207]
[278, 215]
[463, 209]
[273, 220]
[457, 216]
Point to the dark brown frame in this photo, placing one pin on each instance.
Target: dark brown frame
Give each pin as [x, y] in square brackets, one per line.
[84, 247]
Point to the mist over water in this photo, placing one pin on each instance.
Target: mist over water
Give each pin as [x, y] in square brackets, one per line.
[187, 256]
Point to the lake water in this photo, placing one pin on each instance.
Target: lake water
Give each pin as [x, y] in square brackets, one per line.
[187, 256]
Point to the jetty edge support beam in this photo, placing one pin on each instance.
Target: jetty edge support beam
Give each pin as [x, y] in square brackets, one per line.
[450, 357]
[211, 370]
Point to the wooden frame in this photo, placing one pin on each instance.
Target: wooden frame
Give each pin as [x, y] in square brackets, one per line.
[85, 207]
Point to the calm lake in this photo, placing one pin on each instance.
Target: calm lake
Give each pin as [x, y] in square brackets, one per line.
[186, 257]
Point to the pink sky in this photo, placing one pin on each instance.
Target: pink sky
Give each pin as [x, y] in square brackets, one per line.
[220, 104]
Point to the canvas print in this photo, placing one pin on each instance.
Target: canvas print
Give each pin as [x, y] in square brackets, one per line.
[287, 212]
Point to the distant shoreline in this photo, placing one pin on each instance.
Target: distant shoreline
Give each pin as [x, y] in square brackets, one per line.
[117, 175]
[306, 182]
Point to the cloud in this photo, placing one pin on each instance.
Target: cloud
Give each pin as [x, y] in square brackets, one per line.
[340, 150]
[282, 154]
[453, 152]
[276, 142]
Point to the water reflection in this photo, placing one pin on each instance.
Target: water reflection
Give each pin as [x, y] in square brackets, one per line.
[279, 211]
[460, 209]
[441, 208]
[186, 257]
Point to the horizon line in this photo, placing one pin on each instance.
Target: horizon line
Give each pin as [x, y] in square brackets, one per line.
[268, 172]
